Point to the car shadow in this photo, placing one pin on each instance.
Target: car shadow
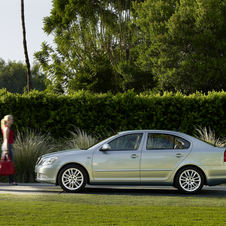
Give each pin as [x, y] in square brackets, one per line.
[168, 191]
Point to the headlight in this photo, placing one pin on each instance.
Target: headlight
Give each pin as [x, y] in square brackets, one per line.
[48, 161]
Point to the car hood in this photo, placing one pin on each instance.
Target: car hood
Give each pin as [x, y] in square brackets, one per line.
[65, 152]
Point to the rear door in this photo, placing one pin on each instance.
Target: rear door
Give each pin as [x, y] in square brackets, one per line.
[161, 155]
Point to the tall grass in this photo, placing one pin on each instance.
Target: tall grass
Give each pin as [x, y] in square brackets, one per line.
[28, 146]
[209, 136]
[80, 140]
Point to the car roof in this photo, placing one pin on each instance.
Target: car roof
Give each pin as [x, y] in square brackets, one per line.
[153, 131]
[176, 133]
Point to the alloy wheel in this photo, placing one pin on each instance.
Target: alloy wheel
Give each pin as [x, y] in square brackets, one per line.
[190, 180]
[72, 179]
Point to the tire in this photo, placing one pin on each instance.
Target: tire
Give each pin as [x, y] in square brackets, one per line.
[189, 180]
[72, 178]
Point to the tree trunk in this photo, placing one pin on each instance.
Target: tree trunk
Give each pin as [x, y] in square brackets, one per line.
[25, 48]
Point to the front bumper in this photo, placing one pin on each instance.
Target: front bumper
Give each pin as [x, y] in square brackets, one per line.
[47, 174]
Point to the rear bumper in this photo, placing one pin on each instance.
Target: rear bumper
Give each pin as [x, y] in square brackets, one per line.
[215, 175]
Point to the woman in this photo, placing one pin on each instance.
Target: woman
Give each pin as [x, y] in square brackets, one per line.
[8, 139]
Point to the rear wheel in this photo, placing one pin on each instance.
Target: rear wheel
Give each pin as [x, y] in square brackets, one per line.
[72, 178]
[189, 180]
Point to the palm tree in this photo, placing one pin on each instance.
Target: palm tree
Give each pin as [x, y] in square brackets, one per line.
[25, 48]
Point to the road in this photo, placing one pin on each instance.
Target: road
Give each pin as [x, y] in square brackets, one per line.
[48, 189]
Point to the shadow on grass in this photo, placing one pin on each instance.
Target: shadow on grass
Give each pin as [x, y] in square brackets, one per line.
[218, 191]
[155, 191]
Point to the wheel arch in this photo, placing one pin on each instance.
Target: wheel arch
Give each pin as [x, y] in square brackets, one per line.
[74, 163]
[185, 166]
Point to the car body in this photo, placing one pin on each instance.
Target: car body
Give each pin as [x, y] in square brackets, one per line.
[137, 157]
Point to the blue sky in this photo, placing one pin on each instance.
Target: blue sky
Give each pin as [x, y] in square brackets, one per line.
[11, 38]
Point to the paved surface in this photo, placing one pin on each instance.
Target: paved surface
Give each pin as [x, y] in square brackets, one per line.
[48, 189]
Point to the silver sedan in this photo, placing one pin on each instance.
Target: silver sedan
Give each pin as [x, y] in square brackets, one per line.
[138, 157]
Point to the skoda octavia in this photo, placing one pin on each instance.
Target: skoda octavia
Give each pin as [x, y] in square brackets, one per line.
[138, 157]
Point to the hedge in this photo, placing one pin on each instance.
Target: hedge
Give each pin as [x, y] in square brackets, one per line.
[99, 113]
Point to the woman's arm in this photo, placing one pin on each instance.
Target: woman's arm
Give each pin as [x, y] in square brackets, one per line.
[6, 138]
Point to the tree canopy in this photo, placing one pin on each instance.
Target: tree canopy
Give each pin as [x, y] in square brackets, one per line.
[116, 45]
[13, 77]
[183, 43]
[93, 41]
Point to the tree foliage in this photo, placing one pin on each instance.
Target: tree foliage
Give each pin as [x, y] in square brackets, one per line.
[13, 77]
[115, 45]
[183, 43]
[94, 42]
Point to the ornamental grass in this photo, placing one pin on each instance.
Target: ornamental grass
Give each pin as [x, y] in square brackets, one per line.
[209, 136]
[30, 145]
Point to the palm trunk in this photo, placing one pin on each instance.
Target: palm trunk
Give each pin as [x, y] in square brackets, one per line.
[25, 48]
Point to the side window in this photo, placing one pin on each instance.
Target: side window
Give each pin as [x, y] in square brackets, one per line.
[166, 141]
[181, 143]
[160, 141]
[127, 142]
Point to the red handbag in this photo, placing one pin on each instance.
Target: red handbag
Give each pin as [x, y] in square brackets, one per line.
[6, 166]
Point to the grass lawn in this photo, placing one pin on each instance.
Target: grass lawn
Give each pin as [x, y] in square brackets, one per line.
[110, 210]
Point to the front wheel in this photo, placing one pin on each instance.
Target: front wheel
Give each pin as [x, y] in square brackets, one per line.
[189, 180]
[72, 178]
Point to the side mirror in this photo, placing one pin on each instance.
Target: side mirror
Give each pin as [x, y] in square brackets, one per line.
[105, 147]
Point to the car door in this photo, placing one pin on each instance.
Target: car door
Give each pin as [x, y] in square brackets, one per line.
[121, 162]
[161, 155]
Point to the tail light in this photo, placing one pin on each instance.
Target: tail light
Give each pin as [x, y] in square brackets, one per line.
[225, 156]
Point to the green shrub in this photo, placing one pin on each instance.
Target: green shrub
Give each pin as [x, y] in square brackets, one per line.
[95, 113]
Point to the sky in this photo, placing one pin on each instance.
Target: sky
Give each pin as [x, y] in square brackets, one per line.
[11, 36]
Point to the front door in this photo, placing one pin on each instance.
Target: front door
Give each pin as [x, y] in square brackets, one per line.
[121, 163]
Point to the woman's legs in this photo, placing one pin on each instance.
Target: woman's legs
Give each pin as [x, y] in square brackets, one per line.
[11, 155]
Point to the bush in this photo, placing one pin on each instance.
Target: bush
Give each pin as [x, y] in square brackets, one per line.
[124, 111]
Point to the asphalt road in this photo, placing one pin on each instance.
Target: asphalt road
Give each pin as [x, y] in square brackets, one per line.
[48, 189]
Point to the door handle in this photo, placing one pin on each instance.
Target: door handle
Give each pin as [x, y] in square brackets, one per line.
[179, 155]
[133, 156]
